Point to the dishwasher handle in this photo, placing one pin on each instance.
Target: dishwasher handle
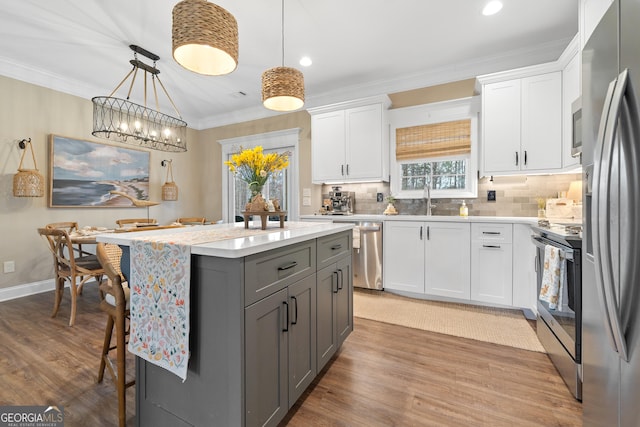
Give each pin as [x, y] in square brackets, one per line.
[369, 228]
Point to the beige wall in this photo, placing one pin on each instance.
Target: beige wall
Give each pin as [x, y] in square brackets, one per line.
[437, 93]
[213, 174]
[29, 111]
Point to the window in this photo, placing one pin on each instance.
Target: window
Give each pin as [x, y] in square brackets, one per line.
[440, 153]
[444, 175]
[282, 185]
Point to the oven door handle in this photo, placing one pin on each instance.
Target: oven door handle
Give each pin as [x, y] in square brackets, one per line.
[541, 242]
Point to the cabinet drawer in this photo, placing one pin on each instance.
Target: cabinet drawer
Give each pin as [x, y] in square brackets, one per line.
[268, 272]
[331, 248]
[490, 232]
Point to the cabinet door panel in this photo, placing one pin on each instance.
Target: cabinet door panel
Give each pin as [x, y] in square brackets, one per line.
[364, 142]
[266, 355]
[524, 274]
[501, 126]
[491, 264]
[328, 146]
[302, 336]
[326, 329]
[448, 259]
[404, 256]
[344, 300]
[542, 122]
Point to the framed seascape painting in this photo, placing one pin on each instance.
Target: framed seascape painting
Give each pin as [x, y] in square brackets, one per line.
[85, 174]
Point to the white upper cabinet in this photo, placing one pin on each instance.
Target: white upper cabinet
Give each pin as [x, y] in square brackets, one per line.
[501, 126]
[541, 122]
[522, 124]
[350, 141]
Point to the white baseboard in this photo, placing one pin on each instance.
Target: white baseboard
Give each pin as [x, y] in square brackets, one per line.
[27, 289]
[33, 288]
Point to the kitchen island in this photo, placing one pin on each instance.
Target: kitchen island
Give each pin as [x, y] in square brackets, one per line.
[268, 309]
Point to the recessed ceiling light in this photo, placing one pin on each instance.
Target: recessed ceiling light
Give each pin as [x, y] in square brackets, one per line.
[492, 8]
[305, 61]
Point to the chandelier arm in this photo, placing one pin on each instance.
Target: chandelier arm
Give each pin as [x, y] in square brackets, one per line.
[133, 80]
[122, 82]
[170, 100]
[155, 91]
[145, 88]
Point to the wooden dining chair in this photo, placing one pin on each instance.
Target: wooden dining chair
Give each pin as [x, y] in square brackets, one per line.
[129, 221]
[69, 227]
[68, 267]
[192, 220]
[115, 303]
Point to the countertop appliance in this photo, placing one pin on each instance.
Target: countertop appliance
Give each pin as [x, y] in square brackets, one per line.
[367, 254]
[611, 186]
[340, 202]
[559, 328]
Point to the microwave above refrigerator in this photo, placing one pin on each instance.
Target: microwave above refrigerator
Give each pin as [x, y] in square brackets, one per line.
[576, 127]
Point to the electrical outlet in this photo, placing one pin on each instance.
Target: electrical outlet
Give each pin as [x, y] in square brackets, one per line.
[306, 201]
[379, 197]
[491, 195]
[9, 266]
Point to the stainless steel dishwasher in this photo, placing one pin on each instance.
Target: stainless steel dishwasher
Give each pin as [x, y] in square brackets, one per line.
[367, 254]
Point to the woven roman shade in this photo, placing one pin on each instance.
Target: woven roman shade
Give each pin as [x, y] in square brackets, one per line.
[434, 140]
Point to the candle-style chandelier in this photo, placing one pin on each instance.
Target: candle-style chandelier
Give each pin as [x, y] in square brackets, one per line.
[124, 121]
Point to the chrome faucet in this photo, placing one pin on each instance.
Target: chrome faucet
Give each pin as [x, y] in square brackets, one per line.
[427, 197]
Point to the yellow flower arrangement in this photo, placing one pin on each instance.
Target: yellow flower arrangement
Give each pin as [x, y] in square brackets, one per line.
[254, 167]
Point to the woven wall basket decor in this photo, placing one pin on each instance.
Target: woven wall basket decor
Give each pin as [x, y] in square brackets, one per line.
[169, 189]
[28, 182]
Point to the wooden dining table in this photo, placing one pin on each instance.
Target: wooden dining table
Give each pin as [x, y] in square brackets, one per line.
[86, 237]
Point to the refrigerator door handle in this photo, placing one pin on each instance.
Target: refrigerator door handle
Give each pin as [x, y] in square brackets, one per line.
[598, 221]
[624, 116]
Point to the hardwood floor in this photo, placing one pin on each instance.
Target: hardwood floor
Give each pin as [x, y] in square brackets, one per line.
[43, 361]
[384, 375]
[388, 375]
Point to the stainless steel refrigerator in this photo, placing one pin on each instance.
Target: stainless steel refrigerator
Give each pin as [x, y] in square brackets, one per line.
[611, 247]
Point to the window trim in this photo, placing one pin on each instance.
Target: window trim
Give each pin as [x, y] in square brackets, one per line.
[465, 108]
[288, 139]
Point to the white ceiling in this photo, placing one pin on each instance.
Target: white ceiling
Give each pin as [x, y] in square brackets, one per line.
[359, 47]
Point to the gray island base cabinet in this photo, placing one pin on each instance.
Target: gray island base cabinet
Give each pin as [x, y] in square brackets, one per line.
[262, 327]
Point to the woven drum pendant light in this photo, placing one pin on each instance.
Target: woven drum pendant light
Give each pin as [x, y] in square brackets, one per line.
[282, 87]
[205, 38]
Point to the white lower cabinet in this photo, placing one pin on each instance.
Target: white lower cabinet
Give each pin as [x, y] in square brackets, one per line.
[446, 262]
[403, 253]
[491, 263]
[427, 258]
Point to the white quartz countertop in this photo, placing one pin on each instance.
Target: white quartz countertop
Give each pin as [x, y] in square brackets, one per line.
[232, 240]
[434, 218]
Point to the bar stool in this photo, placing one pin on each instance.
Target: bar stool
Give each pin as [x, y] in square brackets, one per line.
[116, 304]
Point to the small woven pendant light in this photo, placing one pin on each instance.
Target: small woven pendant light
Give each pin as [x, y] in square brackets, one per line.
[205, 38]
[170, 188]
[28, 182]
[282, 87]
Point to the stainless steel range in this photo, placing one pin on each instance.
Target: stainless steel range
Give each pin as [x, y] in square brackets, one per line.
[560, 328]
